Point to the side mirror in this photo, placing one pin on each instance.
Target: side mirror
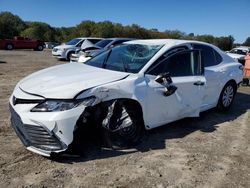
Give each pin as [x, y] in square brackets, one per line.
[166, 80]
[164, 77]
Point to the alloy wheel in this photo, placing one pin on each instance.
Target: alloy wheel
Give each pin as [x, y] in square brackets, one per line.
[228, 95]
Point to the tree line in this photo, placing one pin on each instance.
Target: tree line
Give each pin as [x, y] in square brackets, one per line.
[12, 25]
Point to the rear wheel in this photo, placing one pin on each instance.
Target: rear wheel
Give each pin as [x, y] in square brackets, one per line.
[227, 96]
[40, 47]
[9, 47]
[125, 127]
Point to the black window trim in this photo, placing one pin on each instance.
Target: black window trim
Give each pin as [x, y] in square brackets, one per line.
[155, 63]
[214, 51]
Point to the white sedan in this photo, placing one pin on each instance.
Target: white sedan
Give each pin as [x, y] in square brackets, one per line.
[123, 91]
[239, 53]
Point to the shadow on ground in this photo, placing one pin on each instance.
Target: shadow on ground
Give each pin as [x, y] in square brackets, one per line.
[2, 62]
[156, 139]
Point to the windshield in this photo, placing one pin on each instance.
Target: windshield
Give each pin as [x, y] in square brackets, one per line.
[73, 42]
[125, 58]
[238, 51]
[103, 43]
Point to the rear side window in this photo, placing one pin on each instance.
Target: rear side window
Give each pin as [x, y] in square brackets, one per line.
[209, 56]
[184, 63]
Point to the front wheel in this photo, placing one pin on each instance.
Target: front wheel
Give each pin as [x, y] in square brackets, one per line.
[227, 96]
[69, 56]
[126, 127]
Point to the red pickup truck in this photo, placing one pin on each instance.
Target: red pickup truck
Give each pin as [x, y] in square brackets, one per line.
[21, 43]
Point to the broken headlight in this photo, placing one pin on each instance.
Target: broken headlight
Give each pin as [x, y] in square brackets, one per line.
[62, 105]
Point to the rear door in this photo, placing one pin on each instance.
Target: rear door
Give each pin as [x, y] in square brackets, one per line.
[213, 73]
[186, 71]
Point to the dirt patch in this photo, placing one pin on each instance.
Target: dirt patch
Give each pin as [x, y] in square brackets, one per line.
[210, 151]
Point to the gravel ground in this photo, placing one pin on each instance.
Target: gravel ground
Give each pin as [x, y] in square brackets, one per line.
[210, 151]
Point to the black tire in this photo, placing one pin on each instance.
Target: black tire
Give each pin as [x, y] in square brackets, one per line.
[9, 46]
[128, 136]
[245, 82]
[69, 55]
[40, 47]
[227, 96]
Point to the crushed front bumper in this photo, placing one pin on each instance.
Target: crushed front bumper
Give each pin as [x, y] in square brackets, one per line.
[44, 133]
[36, 138]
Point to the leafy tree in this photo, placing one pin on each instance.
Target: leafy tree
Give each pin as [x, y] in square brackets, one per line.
[39, 31]
[224, 43]
[85, 28]
[10, 25]
[247, 42]
[175, 34]
[104, 29]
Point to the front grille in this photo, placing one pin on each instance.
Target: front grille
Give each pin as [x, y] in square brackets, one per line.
[36, 136]
[55, 49]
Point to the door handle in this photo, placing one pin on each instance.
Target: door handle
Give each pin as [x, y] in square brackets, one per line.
[199, 83]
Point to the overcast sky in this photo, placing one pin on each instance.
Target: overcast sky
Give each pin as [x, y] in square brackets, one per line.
[216, 17]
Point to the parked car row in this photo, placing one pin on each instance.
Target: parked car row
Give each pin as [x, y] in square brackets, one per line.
[123, 91]
[81, 49]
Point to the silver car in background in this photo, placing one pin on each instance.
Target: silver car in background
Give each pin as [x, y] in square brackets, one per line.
[64, 51]
[86, 53]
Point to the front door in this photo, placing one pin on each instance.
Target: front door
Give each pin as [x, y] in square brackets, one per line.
[186, 71]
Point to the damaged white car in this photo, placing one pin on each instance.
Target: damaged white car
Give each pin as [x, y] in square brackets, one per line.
[133, 87]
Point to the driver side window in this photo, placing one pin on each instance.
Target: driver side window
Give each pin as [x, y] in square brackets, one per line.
[185, 63]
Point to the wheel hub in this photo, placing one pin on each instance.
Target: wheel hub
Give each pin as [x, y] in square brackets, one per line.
[228, 96]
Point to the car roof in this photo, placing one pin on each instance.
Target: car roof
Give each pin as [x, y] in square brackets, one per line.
[119, 38]
[166, 42]
[243, 48]
[89, 38]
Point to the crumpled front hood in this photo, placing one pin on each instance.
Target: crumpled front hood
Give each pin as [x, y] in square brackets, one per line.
[66, 81]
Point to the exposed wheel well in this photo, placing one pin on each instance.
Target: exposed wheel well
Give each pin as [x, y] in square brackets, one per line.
[130, 103]
[88, 126]
[133, 104]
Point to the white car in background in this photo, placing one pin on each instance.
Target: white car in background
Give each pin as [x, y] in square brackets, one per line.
[64, 51]
[88, 52]
[239, 53]
[139, 85]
